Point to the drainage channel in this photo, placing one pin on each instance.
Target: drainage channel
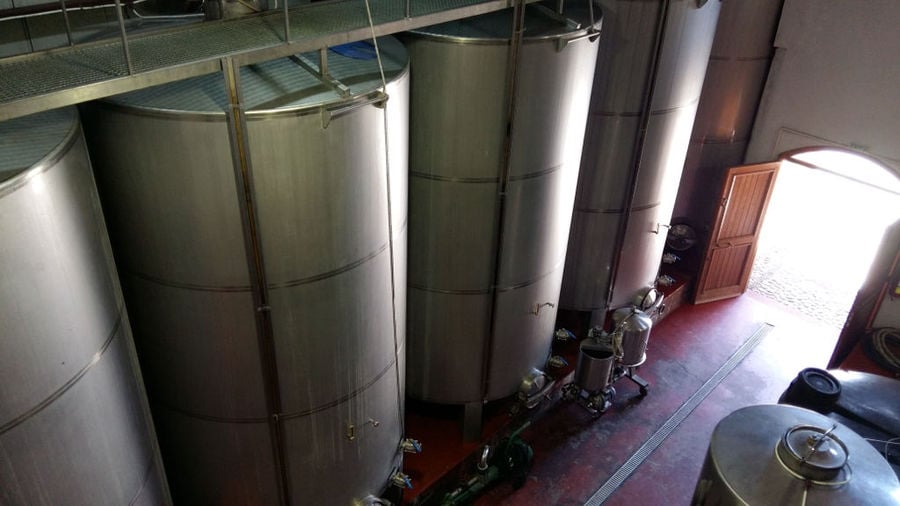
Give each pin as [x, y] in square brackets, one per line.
[649, 446]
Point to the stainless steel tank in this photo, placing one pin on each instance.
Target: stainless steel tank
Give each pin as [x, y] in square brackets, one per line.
[634, 326]
[484, 277]
[646, 91]
[594, 367]
[74, 423]
[776, 454]
[318, 148]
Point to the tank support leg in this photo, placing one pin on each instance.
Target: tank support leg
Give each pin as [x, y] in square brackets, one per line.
[472, 418]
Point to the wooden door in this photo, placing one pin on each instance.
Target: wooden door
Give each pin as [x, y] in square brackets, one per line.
[732, 244]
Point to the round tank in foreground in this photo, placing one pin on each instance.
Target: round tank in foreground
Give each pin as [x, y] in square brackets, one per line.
[776, 454]
[320, 193]
[485, 272]
[74, 423]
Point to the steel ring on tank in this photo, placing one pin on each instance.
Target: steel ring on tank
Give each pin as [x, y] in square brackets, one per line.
[47, 162]
[65, 387]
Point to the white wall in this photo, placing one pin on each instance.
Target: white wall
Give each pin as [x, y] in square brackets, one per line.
[835, 80]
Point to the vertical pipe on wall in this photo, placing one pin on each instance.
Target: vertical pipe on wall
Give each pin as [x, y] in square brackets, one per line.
[243, 180]
[638, 149]
[512, 73]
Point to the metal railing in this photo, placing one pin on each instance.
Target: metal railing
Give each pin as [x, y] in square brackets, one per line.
[135, 59]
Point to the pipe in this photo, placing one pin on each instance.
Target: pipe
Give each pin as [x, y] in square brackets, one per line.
[243, 176]
[640, 140]
[512, 75]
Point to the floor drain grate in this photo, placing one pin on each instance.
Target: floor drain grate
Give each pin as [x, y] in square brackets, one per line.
[649, 446]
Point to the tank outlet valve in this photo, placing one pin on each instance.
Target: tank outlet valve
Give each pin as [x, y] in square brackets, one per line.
[557, 362]
[398, 479]
[670, 258]
[536, 310]
[410, 445]
[564, 335]
[665, 280]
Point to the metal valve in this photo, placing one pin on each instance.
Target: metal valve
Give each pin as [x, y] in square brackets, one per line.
[398, 479]
[557, 362]
[536, 311]
[564, 335]
[410, 445]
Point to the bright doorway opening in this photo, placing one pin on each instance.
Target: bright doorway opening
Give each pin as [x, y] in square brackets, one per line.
[825, 221]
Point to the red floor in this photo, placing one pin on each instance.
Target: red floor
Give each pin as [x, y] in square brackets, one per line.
[575, 453]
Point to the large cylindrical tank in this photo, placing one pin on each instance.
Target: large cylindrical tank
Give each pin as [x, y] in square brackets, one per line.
[484, 277]
[775, 454]
[632, 158]
[318, 148]
[74, 423]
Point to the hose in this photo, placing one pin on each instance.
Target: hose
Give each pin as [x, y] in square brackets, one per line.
[883, 345]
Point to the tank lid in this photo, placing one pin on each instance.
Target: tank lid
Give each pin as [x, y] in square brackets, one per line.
[631, 318]
[813, 452]
[789, 453]
[280, 85]
[25, 141]
[540, 22]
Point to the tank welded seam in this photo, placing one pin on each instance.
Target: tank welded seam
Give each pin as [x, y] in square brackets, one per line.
[284, 416]
[537, 174]
[653, 112]
[674, 108]
[559, 265]
[331, 273]
[342, 399]
[473, 291]
[614, 114]
[448, 179]
[246, 288]
[483, 180]
[485, 291]
[587, 210]
[740, 58]
[668, 427]
[210, 418]
[59, 392]
[147, 473]
[720, 140]
[184, 286]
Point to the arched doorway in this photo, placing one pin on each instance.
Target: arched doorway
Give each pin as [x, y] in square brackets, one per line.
[825, 221]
